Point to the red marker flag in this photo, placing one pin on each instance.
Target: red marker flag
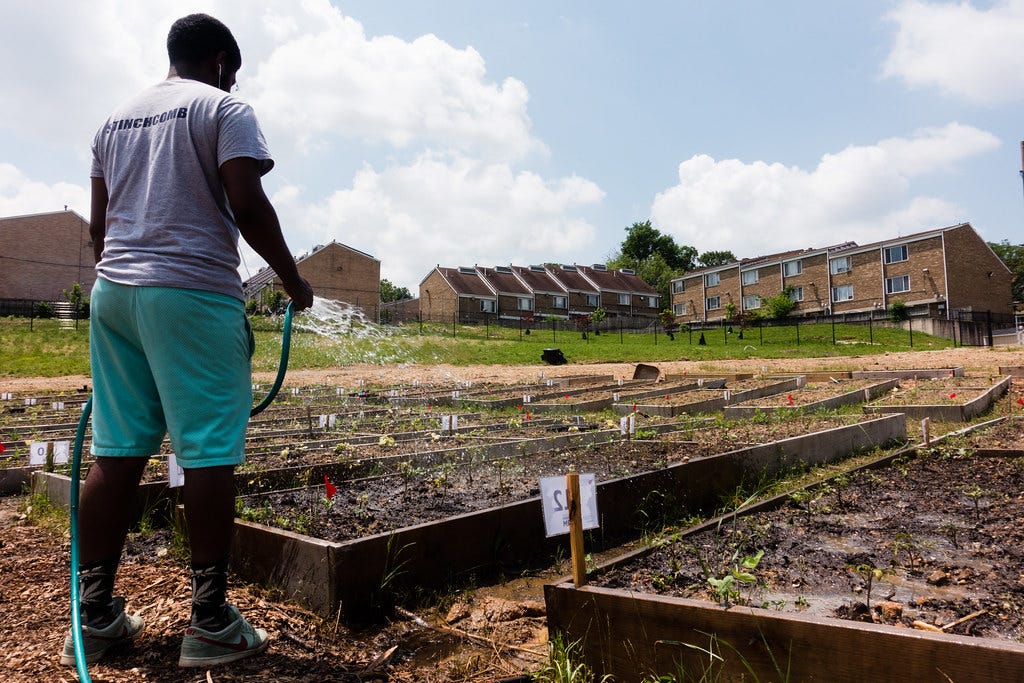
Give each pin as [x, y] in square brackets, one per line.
[1019, 401]
[329, 488]
[4, 448]
[790, 397]
[953, 395]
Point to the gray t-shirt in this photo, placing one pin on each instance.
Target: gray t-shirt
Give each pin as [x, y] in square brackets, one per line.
[168, 221]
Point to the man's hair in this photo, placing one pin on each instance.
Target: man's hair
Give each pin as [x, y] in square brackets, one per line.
[199, 37]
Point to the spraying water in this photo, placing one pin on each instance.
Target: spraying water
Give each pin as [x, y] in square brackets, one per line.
[335, 319]
[344, 334]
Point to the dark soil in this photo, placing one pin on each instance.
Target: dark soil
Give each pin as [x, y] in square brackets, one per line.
[942, 530]
[411, 494]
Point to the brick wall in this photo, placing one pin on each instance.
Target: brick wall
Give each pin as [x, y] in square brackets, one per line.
[342, 274]
[438, 302]
[978, 279]
[43, 254]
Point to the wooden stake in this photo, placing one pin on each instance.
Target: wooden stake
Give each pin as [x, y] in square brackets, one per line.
[927, 435]
[579, 560]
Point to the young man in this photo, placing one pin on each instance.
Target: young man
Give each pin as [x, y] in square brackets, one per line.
[175, 178]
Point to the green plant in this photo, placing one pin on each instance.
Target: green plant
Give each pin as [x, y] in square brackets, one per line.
[950, 529]
[563, 665]
[975, 493]
[898, 311]
[727, 588]
[870, 574]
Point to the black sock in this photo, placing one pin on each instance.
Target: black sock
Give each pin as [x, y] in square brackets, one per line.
[209, 595]
[96, 592]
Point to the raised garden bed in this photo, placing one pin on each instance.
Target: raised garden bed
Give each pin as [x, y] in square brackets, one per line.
[816, 396]
[323, 574]
[698, 401]
[951, 401]
[937, 536]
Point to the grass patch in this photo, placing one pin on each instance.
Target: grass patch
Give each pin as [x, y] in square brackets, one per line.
[43, 349]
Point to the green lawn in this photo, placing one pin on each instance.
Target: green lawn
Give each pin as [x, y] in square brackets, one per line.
[42, 348]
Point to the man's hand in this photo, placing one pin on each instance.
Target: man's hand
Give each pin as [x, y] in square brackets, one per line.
[301, 293]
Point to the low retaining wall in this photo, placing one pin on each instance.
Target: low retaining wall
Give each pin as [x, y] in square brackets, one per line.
[714, 404]
[629, 635]
[948, 413]
[923, 373]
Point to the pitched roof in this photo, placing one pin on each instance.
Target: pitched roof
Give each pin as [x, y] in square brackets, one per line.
[571, 279]
[466, 282]
[616, 280]
[538, 279]
[503, 280]
[266, 275]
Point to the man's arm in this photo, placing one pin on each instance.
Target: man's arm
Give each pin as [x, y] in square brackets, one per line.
[98, 216]
[258, 224]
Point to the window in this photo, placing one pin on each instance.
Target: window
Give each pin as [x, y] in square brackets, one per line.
[895, 285]
[623, 299]
[712, 280]
[594, 300]
[678, 287]
[559, 302]
[791, 268]
[896, 254]
[749, 277]
[652, 302]
[487, 305]
[679, 309]
[842, 293]
[840, 264]
[525, 304]
[751, 302]
[796, 294]
[712, 303]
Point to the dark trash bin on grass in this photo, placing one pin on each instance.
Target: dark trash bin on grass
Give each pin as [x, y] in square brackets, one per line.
[554, 357]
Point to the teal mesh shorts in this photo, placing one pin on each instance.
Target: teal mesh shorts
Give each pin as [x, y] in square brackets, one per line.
[169, 361]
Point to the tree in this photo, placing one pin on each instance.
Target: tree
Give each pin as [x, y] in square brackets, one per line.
[391, 292]
[644, 241]
[778, 307]
[655, 257]
[715, 258]
[1013, 256]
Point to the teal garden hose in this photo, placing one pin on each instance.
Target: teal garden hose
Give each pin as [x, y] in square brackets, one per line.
[76, 466]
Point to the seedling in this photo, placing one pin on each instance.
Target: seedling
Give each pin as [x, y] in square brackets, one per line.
[870, 574]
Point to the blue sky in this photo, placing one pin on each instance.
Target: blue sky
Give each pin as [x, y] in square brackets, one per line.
[468, 132]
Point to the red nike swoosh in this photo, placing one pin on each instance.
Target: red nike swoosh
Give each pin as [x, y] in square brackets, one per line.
[240, 646]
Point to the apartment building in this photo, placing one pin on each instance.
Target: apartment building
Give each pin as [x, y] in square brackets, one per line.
[935, 273]
[518, 292]
[43, 254]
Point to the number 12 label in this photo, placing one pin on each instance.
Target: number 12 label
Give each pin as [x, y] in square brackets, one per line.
[555, 504]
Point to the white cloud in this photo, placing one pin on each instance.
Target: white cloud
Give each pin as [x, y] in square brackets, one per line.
[860, 193]
[335, 83]
[20, 195]
[447, 210]
[964, 51]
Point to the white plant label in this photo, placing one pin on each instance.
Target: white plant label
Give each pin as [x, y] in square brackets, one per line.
[37, 452]
[322, 421]
[176, 475]
[627, 424]
[61, 451]
[449, 423]
[700, 381]
[57, 405]
[332, 420]
[555, 504]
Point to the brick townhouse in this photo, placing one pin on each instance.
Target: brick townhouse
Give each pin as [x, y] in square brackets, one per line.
[935, 273]
[43, 254]
[335, 271]
[518, 292]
